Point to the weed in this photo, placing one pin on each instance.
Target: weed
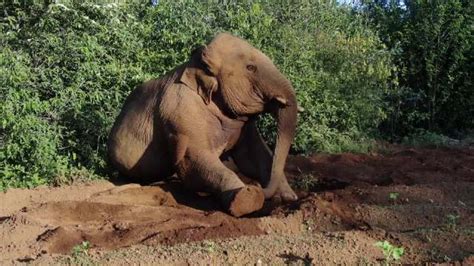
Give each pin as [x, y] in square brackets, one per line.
[452, 220]
[363, 261]
[308, 225]
[80, 254]
[393, 196]
[391, 252]
[305, 181]
[446, 258]
[209, 246]
[82, 248]
[428, 237]
[437, 255]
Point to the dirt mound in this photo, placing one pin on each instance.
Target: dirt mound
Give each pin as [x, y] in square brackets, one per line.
[123, 216]
[420, 199]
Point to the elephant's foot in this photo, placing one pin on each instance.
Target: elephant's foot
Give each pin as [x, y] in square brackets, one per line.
[243, 200]
[280, 192]
[285, 193]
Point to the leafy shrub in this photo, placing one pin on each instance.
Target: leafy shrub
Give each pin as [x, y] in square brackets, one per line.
[29, 143]
[66, 71]
[67, 68]
[340, 71]
[432, 42]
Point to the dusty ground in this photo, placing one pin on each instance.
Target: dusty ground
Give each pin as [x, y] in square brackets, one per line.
[344, 209]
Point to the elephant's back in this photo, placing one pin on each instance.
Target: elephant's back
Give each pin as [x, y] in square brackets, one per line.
[133, 146]
[138, 110]
[136, 114]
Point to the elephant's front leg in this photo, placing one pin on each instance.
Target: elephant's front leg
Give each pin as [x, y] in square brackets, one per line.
[254, 159]
[203, 171]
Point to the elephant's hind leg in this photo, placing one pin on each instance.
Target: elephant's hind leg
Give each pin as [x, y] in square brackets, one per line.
[203, 171]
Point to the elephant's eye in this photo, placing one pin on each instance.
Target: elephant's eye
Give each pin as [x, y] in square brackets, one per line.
[251, 68]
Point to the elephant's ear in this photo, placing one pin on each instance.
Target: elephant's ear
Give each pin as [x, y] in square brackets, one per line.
[210, 60]
[198, 79]
[207, 77]
[199, 74]
[207, 85]
[188, 77]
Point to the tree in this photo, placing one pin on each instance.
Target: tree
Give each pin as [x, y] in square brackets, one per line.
[432, 46]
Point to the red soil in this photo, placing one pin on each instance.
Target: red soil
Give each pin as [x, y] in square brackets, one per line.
[430, 213]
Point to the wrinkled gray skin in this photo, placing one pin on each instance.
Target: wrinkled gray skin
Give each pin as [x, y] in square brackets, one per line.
[184, 122]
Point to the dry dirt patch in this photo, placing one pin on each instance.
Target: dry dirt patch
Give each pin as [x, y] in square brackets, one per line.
[419, 199]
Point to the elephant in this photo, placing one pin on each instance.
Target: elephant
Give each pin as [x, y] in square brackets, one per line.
[203, 113]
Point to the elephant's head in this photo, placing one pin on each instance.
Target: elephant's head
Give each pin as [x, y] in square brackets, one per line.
[243, 81]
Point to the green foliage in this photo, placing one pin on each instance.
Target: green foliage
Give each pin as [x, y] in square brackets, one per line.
[339, 69]
[66, 69]
[391, 253]
[432, 42]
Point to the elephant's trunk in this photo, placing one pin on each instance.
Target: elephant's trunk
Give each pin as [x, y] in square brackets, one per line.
[286, 116]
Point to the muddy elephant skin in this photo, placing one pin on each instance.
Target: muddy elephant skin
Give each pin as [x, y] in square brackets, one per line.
[202, 111]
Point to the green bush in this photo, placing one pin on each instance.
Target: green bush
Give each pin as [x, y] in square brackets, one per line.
[340, 71]
[432, 43]
[67, 68]
[65, 71]
[29, 142]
